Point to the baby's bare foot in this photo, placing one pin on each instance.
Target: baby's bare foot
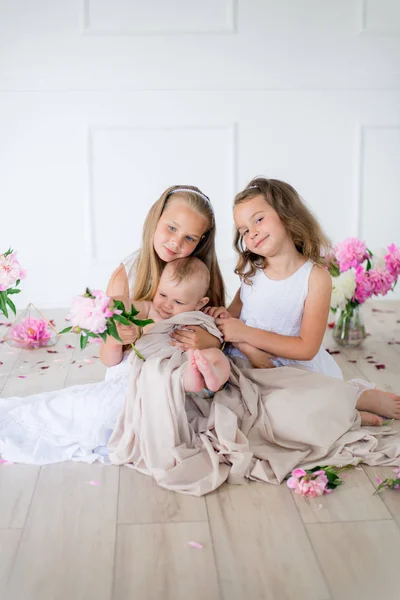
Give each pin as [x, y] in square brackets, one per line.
[370, 419]
[380, 402]
[211, 374]
[193, 380]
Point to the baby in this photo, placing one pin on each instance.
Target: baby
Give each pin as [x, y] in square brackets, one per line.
[182, 288]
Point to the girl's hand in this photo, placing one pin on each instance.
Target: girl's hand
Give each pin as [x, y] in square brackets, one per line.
[128, 333]
[258, 358]
[233, 330]
[194, 338]
[217, 312]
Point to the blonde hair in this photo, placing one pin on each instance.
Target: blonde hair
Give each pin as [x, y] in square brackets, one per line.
[187, 269]
[300, 223]
[149, 266]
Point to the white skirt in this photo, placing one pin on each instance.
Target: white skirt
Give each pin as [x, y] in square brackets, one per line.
[74, 423]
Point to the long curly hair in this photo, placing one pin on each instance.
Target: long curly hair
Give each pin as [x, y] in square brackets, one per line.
[300, 223]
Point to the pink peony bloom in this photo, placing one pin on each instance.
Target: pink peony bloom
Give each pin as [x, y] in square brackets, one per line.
[350, 253]
[292, 483]
[392, 260]
[311, 488]
[32, 332]
[298, 473]
[310, 485]
[10, 271]
[382, 281]
[364, 289]
[90, 313]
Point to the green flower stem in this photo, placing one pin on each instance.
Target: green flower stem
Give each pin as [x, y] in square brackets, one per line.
[136, 351]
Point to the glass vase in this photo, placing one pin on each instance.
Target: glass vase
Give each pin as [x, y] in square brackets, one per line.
[349, 329]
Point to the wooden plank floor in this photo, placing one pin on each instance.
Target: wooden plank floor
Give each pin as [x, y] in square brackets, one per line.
[127, 538]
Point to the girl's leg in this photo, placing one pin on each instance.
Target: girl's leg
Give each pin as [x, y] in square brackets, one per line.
[368, 418]
[379, 402]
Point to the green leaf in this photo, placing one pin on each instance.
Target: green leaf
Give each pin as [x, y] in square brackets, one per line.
[90, 333]
[119, 305]
[122, 320]
[103, 336]
[368, 265]
[142, 322]
[13, 291]
[3, 305]
[11, 305]
[18, 282]
[9, 251]
[66, 330]
[133, 312]
[83, 341]
[112, 330]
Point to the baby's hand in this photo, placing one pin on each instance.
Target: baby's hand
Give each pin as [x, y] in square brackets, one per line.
[217, 312]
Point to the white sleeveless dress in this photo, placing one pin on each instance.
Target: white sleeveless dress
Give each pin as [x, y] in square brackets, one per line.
[70, 424]
[278, 306]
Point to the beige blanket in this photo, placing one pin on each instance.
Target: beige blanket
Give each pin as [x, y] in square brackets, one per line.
[263, 424]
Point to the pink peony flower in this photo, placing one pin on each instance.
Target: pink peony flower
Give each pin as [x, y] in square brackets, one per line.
[311, 488]
[364, 287]
[381, 281]
[32, 332]
[392, 260]
[10, 271]
[350, 253]
[298, 473]
[310, 485]
[89, 313]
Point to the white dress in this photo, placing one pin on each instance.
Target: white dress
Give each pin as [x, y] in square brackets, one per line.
[278, 306]
[70, 424]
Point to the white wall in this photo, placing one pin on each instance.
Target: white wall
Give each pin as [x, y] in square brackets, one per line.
[105, 103]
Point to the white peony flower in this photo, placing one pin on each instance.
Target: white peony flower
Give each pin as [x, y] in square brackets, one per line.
[344, 287]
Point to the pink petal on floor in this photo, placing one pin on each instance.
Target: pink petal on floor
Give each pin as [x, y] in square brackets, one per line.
[380, 367]
[195, 545]
[52, 351]
[352, 361]
[89, 361]
[333, 351]
[331, 325]
[69, 347]
[3, 461]
[378, 479]
[93, 482]
[59, 360]
[1, 363]
[46, 367]
[40, 362]
[368, 357]
[22, 376]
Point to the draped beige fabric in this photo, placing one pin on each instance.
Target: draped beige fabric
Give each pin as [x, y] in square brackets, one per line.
[263, 424]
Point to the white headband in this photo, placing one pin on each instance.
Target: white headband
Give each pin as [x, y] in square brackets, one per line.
[183, 189]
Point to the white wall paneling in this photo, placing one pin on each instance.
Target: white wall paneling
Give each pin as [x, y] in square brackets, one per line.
[381, 17]
[105, 103]
[135, 17]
